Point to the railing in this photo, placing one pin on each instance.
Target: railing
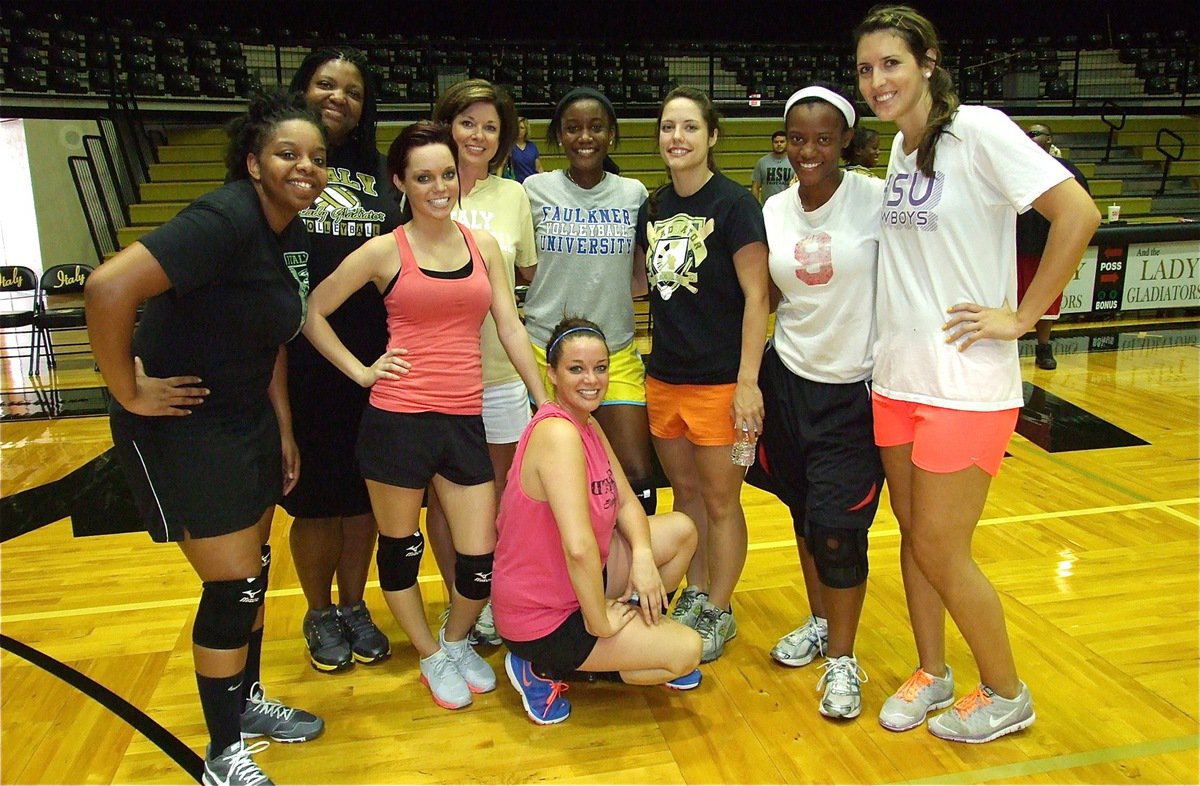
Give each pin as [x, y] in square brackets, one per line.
[1168, 156]
[1113, 127]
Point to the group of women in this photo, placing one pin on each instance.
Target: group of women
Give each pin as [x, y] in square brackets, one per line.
[893, 356]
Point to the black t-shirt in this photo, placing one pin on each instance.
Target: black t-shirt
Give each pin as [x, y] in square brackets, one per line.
[1033, 228]
[695, 299]
[237, 293]
[356, 205]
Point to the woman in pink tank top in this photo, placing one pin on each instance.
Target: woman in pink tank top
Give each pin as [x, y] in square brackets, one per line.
[423, 423]
[580, 583]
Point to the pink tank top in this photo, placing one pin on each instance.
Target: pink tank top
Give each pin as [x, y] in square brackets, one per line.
[438, 321]
[531, 590]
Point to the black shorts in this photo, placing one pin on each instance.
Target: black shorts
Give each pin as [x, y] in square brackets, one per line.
[208, 478]
[562, 650]
[326, 411]
[407, 449]
[818, 448]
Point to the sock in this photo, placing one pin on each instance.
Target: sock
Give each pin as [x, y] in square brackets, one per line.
[253, 664]
[220, 698]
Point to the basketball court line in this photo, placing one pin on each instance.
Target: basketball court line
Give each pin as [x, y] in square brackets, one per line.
[1067, 761]
[190, 601]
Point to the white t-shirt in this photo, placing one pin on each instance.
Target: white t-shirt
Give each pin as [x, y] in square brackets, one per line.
[952, 240]
[824, 264]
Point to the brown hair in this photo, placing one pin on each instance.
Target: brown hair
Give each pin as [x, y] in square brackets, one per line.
[920, 37]
[461, 95]
[419, 134]
[712, 119]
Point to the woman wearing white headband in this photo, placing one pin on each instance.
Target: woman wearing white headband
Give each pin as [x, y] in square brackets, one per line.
[818, 448]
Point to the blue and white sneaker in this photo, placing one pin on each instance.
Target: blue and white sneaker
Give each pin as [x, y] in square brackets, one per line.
[686, 682]
[542, 697]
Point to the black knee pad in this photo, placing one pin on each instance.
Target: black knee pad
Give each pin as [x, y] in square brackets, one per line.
[473, 575]
[840, 555]
[647, 493]
[399, 560]
[227, 611]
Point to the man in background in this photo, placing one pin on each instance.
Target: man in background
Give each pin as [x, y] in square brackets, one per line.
[773, 171]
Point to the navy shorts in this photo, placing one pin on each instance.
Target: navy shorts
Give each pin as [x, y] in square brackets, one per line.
[817, 451]
[407, 449]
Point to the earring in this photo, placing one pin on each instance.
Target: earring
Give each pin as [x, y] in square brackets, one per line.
[928, 74]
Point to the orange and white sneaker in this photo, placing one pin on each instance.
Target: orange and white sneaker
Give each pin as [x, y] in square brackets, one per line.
[982, 716]
[917, 697]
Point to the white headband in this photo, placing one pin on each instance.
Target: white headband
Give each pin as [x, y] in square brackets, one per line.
[825, 94]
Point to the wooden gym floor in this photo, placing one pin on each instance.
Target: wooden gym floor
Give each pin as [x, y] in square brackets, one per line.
[1094, 553]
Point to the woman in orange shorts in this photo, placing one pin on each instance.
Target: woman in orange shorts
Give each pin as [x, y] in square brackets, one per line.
[947, 380]
[706, 261]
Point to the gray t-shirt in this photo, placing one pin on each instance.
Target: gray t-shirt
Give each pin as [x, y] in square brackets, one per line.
[585, 245]
[772, 174]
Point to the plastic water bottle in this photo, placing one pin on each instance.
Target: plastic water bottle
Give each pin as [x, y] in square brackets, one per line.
[743, 451]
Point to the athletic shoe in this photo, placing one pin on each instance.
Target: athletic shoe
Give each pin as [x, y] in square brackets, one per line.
[367, 642]
[686, 682]
[484, 631]
[448, 687]
[234, 767]
[688, 605]
[982, 716]
[715, 626]
[802, 645]
[474, 670]
[542, 697]
[265, 718]
[328, 650]
[1044, 357]
[841, 680]
[917, 697]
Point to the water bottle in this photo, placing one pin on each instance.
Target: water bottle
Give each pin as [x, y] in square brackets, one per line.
[743, 451]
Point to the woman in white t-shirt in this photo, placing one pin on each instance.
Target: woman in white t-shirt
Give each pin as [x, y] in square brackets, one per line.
[818, 448]
[947, 381]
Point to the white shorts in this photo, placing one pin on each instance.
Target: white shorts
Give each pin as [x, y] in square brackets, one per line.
[505, 412]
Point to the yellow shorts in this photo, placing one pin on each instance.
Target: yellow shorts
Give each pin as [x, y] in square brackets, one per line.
[702, 413]
[626, 376]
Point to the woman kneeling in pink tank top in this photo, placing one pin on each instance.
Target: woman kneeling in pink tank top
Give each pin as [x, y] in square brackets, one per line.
[581, 574]
[424, 422]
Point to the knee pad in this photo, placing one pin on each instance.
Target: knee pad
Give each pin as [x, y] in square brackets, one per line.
[399, 560]
[227, 611]
[840, 555]
[473, 575]
[647, 493]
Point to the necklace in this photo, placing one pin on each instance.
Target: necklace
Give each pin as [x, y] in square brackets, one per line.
[571, 177]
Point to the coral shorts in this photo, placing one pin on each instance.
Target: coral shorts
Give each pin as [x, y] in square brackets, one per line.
[944, 440]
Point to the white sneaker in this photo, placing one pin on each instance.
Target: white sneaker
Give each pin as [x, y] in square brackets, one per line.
[448, 687]
[484, 631]
[234, 767]
[475, 670]
[841, 680]
[804, 644]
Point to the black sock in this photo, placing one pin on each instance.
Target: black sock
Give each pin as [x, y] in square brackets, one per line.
[220, 699]
[253, 664]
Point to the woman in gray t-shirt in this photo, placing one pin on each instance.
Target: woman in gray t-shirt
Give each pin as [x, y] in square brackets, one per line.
[584, 219]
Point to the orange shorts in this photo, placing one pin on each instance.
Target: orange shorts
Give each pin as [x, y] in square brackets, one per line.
[699, 412]
[944, 440]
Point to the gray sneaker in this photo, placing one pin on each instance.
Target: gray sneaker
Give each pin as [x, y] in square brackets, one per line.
[841, 680]
[982, 716]
[328, 650]
[688, 605]
[265, 718]
[474, 670]
[802, 645]
[234, 767]
[367, 642]
[484, 631]
[715, 626]
[448, 687]
[919, 695]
